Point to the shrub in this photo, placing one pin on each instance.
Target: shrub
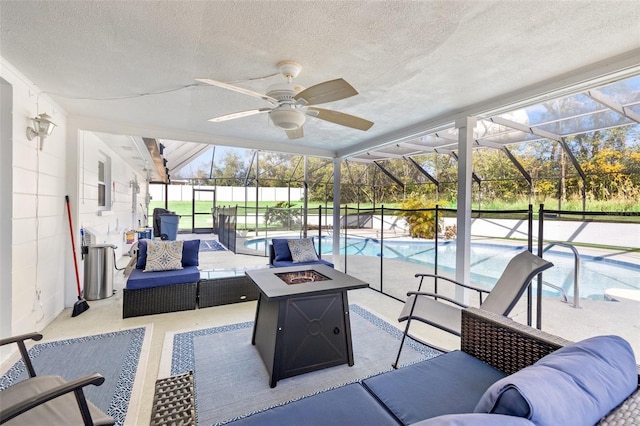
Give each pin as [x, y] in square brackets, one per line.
[421, 217]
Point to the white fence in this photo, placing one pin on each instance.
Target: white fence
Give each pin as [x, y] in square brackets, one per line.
[232, 194]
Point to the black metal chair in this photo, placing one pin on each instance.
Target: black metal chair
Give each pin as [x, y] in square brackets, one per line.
[427, 307]
[48, 399]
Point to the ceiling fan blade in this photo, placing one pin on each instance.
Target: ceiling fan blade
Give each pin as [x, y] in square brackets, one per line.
[295, 133]
[340, 118]
[238, 89]
[238, 115]
[332, 90]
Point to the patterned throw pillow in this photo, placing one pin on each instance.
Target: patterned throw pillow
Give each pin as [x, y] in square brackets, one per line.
[163, 256]
[302, 250]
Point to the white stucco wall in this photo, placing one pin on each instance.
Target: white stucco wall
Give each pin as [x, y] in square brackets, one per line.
[37, 274]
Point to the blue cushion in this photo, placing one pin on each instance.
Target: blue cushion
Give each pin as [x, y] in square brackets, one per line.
[577, 384]
[447, 384]
[142, 254]
[474, 419]
[190, 251]
[348, 405]
[281, 249]
[140, 279]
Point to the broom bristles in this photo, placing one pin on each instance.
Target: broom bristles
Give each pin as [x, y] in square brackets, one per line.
[79, 307]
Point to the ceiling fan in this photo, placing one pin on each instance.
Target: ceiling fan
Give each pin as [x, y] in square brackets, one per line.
[293, 103]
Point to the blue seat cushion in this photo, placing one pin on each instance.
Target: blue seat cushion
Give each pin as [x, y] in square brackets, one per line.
[284, 263]
[451, 383]
[140, 279]
[348, 405]
[190, 253]
[281, 249]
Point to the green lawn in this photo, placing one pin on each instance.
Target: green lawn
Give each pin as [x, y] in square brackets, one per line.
[205, 220]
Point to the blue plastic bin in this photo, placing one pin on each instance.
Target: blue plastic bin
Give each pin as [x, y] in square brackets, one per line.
[169, 226]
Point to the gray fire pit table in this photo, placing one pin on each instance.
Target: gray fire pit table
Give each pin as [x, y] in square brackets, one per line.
[302, 319]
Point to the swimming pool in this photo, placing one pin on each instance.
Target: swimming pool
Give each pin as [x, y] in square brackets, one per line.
[488, 261]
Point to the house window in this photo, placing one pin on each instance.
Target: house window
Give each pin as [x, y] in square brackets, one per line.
[102, 184]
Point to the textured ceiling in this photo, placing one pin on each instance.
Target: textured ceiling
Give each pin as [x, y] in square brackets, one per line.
[128, 67]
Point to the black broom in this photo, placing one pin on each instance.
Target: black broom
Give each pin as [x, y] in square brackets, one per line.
[81, 305]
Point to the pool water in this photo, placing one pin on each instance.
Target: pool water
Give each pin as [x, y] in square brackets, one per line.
[489, 260]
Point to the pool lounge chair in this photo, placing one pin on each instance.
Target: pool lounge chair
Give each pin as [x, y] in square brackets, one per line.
[427, 307]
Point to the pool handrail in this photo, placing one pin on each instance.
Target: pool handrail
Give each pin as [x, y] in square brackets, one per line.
[576, 271]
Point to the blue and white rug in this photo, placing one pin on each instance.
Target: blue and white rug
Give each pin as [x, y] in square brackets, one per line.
[231, 380]
[115, 355]
[211, 245]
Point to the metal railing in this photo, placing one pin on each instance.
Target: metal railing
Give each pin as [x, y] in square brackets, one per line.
[576, 274]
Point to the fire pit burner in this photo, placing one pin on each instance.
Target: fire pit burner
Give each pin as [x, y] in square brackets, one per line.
[300, 277]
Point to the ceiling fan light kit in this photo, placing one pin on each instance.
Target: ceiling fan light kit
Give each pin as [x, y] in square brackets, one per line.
[292, 103]
[287, 118]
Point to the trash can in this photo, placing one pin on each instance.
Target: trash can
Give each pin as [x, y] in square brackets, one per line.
[169, 226]
[98, 271]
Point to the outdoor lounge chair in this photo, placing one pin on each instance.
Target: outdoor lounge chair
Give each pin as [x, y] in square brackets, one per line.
[427, 308]
[48, 399]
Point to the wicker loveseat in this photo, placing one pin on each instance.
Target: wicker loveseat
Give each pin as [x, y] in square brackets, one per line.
[443, 391]
[148, 293]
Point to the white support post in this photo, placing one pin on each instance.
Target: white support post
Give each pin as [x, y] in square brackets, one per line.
[337, 163]
[465, 128]
[305, 209]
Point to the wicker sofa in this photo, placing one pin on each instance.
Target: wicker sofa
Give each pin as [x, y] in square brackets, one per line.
[437, 392]
[148, 293]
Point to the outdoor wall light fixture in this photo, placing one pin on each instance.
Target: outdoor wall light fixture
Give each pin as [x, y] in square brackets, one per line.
[42, 127]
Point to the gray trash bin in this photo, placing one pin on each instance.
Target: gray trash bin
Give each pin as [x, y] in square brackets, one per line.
[98, 271]
[169, 226]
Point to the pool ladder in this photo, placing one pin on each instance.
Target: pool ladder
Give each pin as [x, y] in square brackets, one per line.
[576, 275]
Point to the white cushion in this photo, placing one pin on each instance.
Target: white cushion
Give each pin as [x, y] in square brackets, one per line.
[302, 250]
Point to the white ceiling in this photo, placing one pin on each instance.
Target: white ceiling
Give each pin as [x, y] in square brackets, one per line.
[128, 67]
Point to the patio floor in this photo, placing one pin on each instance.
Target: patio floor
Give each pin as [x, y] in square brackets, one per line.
[594, 317]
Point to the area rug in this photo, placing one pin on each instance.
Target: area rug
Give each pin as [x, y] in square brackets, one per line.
[231, 380]
[211, 245]
[115, 355]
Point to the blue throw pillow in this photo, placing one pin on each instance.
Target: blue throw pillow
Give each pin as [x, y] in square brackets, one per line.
[190, 251]
[577, 384]
[142, 254]
[281, 249]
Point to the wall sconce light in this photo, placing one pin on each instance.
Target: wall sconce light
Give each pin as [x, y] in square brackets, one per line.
[42, 127]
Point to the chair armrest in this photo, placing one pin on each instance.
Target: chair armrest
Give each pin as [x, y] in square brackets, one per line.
[440, 277]
[272, 254]
[504, 343]
[21, 338]
[73, 386]
[436, 296]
